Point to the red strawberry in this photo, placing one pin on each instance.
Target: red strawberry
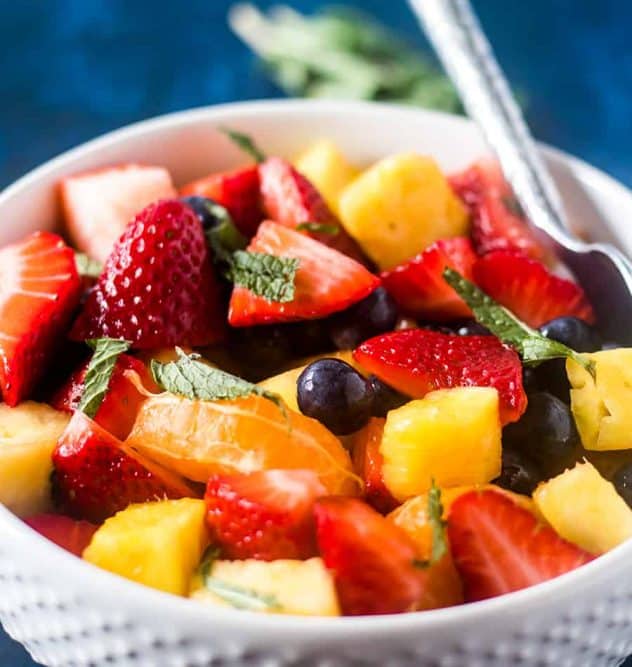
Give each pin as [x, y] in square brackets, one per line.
[237, 191]
[97, 475]
[326, 280]
[368, 464]
[265, 515]
[499, 547]
[529, 290]
[39, 290]
[418, 286]
[98, 204]
[157, 288]
[74, 536]
[122, 401]
[372, 559]
[290, 199]
[497, 222]
[417, 361]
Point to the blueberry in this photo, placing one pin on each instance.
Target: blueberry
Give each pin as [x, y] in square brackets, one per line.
[385, 398]
[546, 433]
[261, 350]
[574, 333]
[200, 206]
[375, 314]
[472, 328]
[519, 473]
[610, 345]
[529, 379]
[333, 392]
[622, 481]
[551, 376]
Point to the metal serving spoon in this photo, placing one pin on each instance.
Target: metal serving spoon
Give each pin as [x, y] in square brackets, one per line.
[602, 270]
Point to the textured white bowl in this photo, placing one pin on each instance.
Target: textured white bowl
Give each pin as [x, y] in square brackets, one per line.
[67, 612]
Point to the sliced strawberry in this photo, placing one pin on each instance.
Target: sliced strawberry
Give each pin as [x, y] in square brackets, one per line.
[265, 515]
[237, 191]
[157, 288]
[497, 222]
[39, 290]
[368, 463]
[499, 547]
[97, 475]
[290, 199]
[74, 536]
[98, 204]
[326, 280]
[372, 559]
[418, 286]
[529, 290]
[120, 406]
[417, 361]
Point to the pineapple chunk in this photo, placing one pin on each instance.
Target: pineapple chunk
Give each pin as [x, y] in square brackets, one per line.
[400, 206]
[156, 544]
[281, 587]
[28, 435]
[451, 436]
[602, 408]
[327, 168]
[584, 508]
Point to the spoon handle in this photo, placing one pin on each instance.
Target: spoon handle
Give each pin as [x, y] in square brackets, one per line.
[467, 56]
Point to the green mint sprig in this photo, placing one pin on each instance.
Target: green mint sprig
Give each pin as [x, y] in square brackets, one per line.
[86, 266]
[434, 512]
[532, 346]
[245, 142]
[318, 228]
[99, 372]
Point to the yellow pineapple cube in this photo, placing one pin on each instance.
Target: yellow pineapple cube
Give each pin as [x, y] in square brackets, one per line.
[328, 169]
[602, 408]
[298, 587]
[451, 436]
[156, 544]
[399, 206]
[584, 508]
[28, 435]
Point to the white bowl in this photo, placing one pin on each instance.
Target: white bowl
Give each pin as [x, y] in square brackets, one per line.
[67, 612]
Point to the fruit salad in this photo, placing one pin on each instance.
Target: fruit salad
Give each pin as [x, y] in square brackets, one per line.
[310, 387]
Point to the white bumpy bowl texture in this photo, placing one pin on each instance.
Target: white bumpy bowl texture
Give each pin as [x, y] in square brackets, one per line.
[68, 613]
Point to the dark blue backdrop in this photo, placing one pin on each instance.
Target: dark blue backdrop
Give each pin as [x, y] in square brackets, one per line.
[72, 69]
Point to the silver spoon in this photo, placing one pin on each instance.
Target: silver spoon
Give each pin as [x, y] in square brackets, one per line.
[602, 270]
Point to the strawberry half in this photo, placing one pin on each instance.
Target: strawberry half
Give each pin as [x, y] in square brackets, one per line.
[237, 191]
[529, 290]
[265, 515]
[290, 199]
[157, 288]
[499, 547]
[417, 361]
[119, 408]
[372, 559]
[418, 286]
[497, 222]
[74, 536]
[326, 280]
[96, 475]
[39, 290]
[98, 204]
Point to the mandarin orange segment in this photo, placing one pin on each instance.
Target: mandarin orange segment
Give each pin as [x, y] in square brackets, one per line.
[199, 438]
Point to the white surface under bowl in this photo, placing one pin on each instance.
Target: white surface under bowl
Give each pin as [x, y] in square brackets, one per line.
[67, 612]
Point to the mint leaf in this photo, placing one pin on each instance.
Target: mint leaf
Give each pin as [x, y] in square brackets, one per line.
[244, 142]
[86, 266]
[224, 237]
[264, 275]
[318, 228]
[533, 347]
[191, 378]
[99, 372]
[435, 516]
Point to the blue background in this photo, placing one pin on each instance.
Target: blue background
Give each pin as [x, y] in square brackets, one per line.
[73, 69]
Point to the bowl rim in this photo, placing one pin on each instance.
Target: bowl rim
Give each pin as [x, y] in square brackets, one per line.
[99, 579]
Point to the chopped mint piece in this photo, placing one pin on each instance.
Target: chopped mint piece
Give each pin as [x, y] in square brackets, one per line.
[224, 237]
[435, 516]
[264, 275]
[533, 347]
[245, 142]
[189, 377]
[318, 228]
[99, 372]
[86, 266]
